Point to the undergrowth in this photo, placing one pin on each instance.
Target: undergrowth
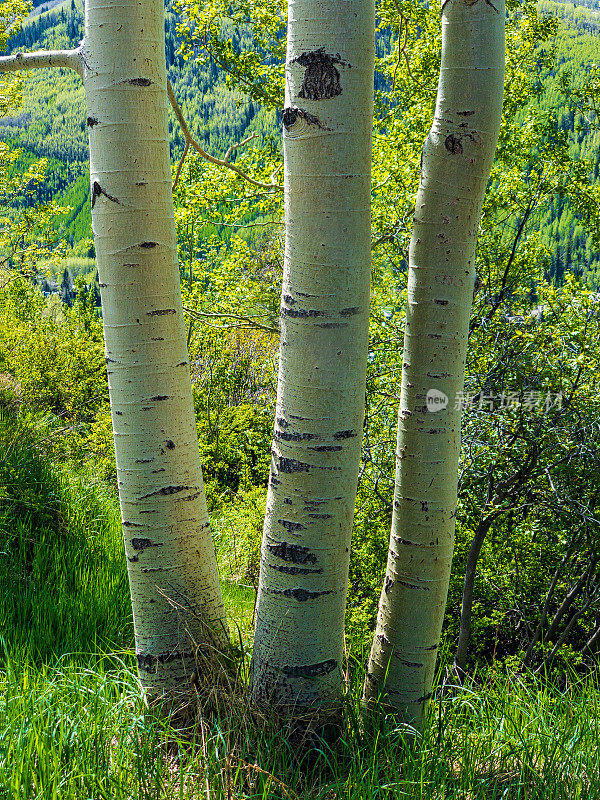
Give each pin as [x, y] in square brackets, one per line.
[79, 733]
[75, 726]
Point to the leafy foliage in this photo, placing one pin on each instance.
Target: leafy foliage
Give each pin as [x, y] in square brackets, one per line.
[528, 505]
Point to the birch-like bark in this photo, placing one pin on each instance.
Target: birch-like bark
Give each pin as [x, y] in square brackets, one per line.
[456, 162]
[165, 522]
[327, 122]
[170, 556]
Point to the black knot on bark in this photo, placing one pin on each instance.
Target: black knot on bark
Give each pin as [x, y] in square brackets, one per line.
[311, 670]
[289, 116]
[292, 552]
[453, 144]
[321, 79]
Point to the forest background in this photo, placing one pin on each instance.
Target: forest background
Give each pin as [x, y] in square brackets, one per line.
[525, 589]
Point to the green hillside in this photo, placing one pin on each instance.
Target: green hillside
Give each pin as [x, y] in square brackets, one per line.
[52, 120]
[577, 52]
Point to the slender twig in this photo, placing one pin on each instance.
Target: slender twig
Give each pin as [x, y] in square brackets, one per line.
[221, 162]
[240, 224]
[238, 317]
[180, 165]
[592, 640]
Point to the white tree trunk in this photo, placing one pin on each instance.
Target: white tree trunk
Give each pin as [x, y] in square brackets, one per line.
[167, 538]
[327, 121]
[456, 162]
[165, 523]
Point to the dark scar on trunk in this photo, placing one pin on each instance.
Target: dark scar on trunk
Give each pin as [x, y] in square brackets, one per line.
[290, 465]
[311, 670]
[453, 144]
[321, 79]
[142, 544]
[416, 664]
[289, 116]
[139, 81]
[166, 490]
[292, 552]
[413, 585]
[304, 313]
[91, 121]
[148, 662]
[293, 436]
[97, 190]
[291, 526]
[344, 435]
[160, 312]
[301, 595]
[296, 570]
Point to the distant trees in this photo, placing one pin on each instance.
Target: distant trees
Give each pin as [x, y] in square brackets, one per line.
[174, 584]
[66, 288]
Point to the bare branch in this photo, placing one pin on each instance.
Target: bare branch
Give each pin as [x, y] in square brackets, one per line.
[251, 321]
[180, 165]
[241, 225]
[221, 162]
[64, 59]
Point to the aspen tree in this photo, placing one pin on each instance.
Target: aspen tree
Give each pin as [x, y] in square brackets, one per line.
[169, 550]
[456, 162]
[327, 122]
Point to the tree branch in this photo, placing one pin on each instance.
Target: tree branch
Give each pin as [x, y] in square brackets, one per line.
[180, 165]
[64, 59]
[251, 321]
[221, 162]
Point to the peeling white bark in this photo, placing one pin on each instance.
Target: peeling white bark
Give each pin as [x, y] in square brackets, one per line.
[457, 158]
[327, 121]
[170, 555]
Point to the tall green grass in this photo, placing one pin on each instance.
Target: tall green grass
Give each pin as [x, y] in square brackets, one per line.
[76, 734]
[75, 726]
[63, 578]
[64, 584]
